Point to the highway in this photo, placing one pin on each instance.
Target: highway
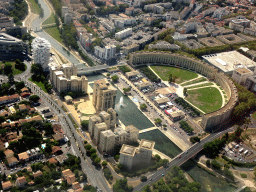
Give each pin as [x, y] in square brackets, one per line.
[95, 176]
[193, 150]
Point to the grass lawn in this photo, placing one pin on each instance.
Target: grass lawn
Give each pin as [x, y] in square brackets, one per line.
[199, 80]
[202, 85]
[34, 7]
[254, 115]
[207, 99]
[39, 84]
[183, 75]
[54, 32]
[49, 20]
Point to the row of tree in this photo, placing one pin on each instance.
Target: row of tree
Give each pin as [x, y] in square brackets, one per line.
[19, 11]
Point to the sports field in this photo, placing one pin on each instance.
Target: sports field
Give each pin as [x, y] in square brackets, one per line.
[207, 99]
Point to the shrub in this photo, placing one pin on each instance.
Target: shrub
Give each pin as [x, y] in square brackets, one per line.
[186, 127]
[124, 68]
[243, 175]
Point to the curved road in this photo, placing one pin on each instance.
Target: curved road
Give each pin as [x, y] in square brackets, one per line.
[36, 28]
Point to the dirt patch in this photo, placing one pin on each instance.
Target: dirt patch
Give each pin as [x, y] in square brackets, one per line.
[86, 106]
[165, 91]
[134, 183]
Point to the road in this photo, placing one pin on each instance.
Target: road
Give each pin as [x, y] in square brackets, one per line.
[179, 161]
[95, 176]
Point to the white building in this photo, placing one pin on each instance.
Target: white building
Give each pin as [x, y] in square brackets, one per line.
[241, 74]
[134, 156]
[64, 10]
[108, 52]
[123, 34]
[67, 18]
[41, 52]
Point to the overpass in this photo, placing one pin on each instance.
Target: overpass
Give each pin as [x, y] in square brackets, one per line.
[85, 70]
[179, 160]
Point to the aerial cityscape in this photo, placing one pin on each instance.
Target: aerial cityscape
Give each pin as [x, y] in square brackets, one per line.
[128, 95]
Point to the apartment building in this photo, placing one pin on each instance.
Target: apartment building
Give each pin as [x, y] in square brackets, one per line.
[86, 40]
[241, 74]
[133, 156]
[106, 53]
[124, 33]
[65, 79]
[41, 52]
[107, 141]
[104, 95]
[11, 47]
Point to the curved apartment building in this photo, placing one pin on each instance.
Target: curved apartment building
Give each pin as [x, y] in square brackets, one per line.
[209, 120]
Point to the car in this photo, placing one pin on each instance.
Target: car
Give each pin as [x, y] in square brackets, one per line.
[180, 156]
[162, 174]
[251, 169]
[151, 179]
[186, 152]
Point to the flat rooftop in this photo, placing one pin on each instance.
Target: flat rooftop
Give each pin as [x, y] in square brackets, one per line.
[229, 61]
[146, 144]
[128, 150]
[243, 70]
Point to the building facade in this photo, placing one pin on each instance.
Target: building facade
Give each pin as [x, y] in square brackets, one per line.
[104, 95]
[106, 53]
[65, 79]
[11, 47]
[41, 52]
[209, 120]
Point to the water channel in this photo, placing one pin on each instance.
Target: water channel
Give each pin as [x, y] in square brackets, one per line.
[36, 28]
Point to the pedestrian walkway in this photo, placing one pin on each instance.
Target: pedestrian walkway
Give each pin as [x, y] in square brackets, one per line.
[148, 129]
[163, 156]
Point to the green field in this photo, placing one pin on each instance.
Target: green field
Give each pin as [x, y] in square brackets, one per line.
[207, 99]
[49, 20]
[182, 75]
[199, 80]
[54, 32]
[39, 84]
[34, 7]
[201, 85]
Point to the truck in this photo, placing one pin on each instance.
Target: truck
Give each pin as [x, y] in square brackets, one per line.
[241, 150]
[245, 153]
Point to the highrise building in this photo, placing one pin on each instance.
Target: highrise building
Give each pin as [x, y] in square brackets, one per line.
[104, 95]
[41, 52]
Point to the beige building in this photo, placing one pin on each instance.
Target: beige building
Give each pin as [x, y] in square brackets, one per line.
[241, 74]
[65, 79]
[132, 156]
[132, 133]
[107, 141]
[97, 130]
[177, 115]
[104, 95]
[210, 120]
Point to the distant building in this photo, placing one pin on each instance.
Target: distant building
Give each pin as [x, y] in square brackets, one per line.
[21, 182]
[6, 185]
[64, 10]
[67, 18]
[104, 95]
[123, 34]
[106, 53]
[41, 52]
[133, 156]
[241, 74]
[86, 41]
[12, 48]
[250, 83]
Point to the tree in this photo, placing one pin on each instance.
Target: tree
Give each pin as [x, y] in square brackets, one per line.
[85, 124]
[215, 164]
[104, 164]
[157, 157]
[208, 163]
[92, 150]
[34, 98]
[143, 106]
[85, 142]
[94, 156]
[88, 147]
[121, 185]
[115, 78]
[247, 122]
[194, 139]
[158, 121]
[97, 160]
[143, 178]
[19, 85]
[116, 157]
[170, 79]
[7, 68]
[185, 90]
[10, 78]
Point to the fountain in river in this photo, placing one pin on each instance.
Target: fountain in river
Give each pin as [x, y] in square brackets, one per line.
[120, 103]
